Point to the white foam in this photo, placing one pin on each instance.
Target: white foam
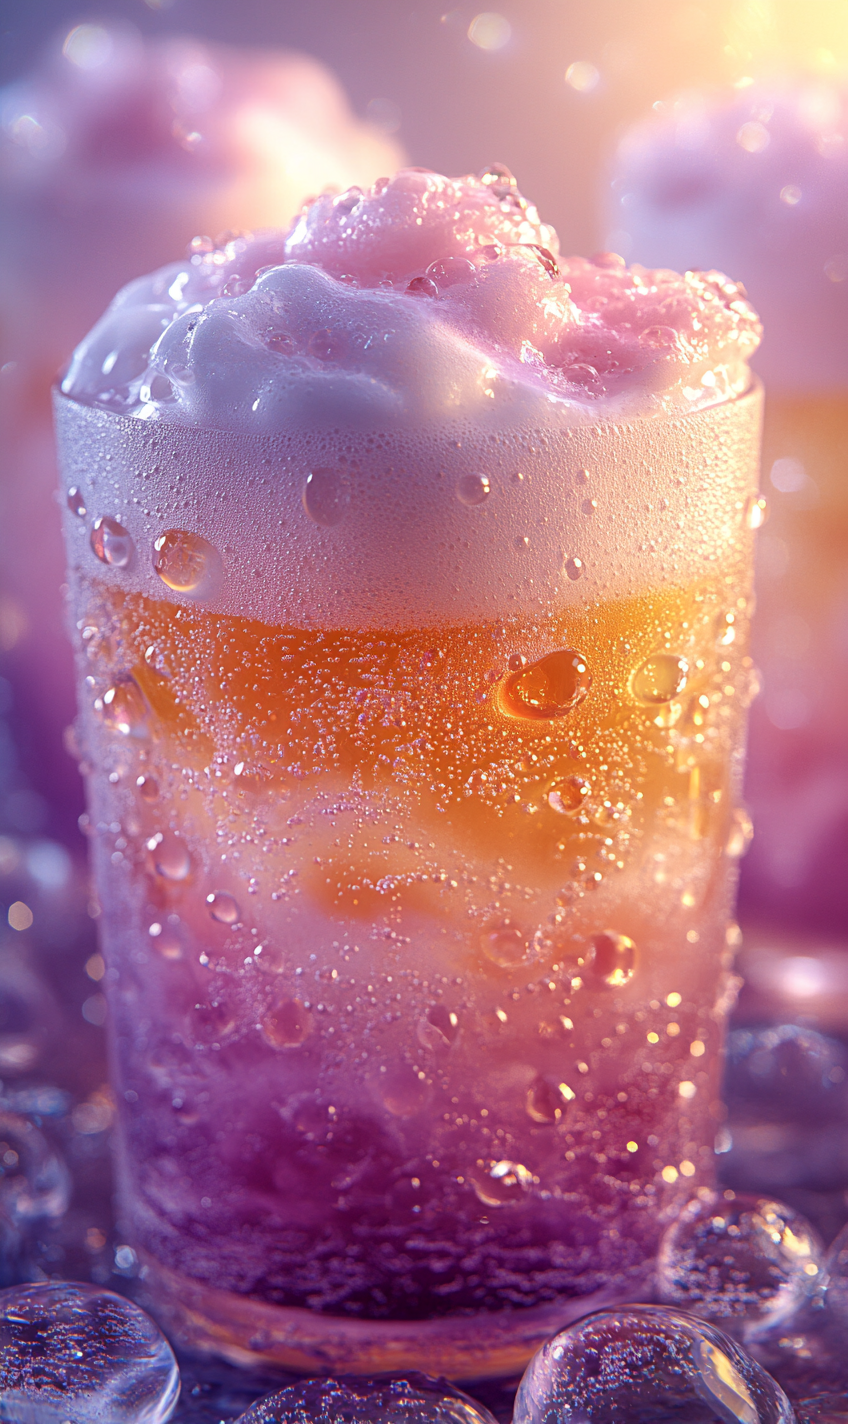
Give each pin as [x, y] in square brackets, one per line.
[754, 181]
[316, 425]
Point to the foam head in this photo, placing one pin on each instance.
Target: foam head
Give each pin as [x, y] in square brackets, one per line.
[755, 181]
[420, 410]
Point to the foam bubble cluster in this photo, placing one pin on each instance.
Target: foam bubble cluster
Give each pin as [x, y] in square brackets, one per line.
[754, 180]
[422, 299]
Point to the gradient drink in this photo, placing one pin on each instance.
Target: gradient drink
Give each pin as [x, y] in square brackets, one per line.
[757, 181]
[410, 606]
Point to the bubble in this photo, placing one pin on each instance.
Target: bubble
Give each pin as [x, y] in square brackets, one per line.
[507, 946]
[111, 542]
[473, 489]
[422, 287]
[72, 1352]
[287, 1025]
[34, 1182]
[76, 502]
[503, 1184]
[411, 1398]
[450, 271]
[740, 834]
[166, 941]
[567, 796]
[659, 679]
[438, 1029]
[326, 496]
[125, 709]
[185, 562]
[836, 1276]
[147, 787]
[574, 568]
[749, 1261]
[212, 1022]
[549, 688]
[647, 1363]
[170, 856]
[223, 908]
[612, 958]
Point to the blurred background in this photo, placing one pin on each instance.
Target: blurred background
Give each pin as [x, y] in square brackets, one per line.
[549, 88]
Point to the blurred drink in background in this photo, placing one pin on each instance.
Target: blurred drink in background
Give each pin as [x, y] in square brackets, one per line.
[115, 153]
[754, 180]
[410, 578]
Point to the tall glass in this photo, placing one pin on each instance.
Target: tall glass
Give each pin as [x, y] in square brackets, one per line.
[415, 884]
[410, 581]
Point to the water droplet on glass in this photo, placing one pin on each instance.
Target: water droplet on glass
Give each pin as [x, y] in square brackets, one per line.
[111, 542]
[287, 1025]
[756, 512]
[76, 503]
[544, 1103]
[438, 1029]
[170, 856]
[402, 1092]
[326, 496]
[726, 629]
[502, 1184]
[166, 941]
[77, 1352]
[569, 795]
[473, 489]
[125, 710]
[749, 1260]
[185, 562]
[647, 1363]
[549, 688]
[507, 946]
[660, 678]
[147, 787]
[740, 834]
[611, 958]
[411, 1398]
[223, 908]
[574, 568]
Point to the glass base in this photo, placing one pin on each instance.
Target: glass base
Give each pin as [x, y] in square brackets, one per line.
[246, 1331]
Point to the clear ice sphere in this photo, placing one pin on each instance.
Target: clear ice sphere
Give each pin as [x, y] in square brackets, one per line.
[405, 1399]
[646, 1365]
[744, 1261]
[78, 1354]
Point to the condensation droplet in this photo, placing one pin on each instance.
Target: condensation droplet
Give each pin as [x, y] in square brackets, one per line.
[223, 908]
[170, 855]
[125, 710]
[612, 958]
[438, 1029]
[147, 787]
[326, 496]
[166, 941]
[287, 1025]
[504, 1184]
[726, 629]
[111, 542]
[739, 835]
[76, 503]
[473, 489]
[574, 568]
[569, 795]
[660, 678]
[402, 1092]
[185, 562]
[507, 946]
[549, 688]
[543, 1102]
